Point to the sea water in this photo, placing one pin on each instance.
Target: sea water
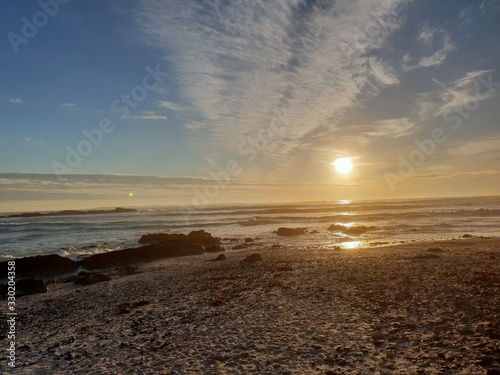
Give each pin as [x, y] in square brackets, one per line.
[394, 221]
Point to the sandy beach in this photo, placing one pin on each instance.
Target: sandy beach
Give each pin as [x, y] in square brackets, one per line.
[418, 308]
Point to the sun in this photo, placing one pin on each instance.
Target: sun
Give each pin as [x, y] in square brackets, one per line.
[343, 165]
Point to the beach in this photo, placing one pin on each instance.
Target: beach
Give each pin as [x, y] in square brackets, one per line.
[411, 308]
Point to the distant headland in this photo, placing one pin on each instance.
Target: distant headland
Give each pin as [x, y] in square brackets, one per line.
[117, 210]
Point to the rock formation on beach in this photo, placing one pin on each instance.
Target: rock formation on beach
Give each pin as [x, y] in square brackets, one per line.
[290, 231]
[155, 246]
[40, 265]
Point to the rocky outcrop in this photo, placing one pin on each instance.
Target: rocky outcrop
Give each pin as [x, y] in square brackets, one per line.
[290, 231]
[157, 246]
[195, 237]
[253, 258]
[214, 249]
[144, 253]
[30, 286]
[337, 228]
[359, 230]
[45, 265]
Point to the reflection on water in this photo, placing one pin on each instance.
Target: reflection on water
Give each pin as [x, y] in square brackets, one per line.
[345, 201]
[351, 245]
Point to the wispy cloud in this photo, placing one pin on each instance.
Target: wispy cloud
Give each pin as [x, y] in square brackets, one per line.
[393, 128]
[15, 101]
[69, 106]
[448, 97]
[382, 72]
[458, 174]
[242, 64]
[30, 141]
[426, 34]
[438, 57]
[169, 105]
[20, 186]
[475, 147]
[150, 115]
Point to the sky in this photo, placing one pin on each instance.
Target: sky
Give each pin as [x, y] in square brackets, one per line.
[196, 102]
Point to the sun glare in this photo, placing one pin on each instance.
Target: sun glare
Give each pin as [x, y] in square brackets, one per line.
[343, 165]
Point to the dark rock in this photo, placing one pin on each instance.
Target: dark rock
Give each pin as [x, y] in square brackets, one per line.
[494, 336]
[40, 265]
[30, 286]
[467, 235]
[248, 239]
[378, 336]
[198, 237]
[203, 238]
[127, 307]
[290, 231]
[253, 258]
[493, 371]
[359, 230]
[487, 360]
[492, 257]
[87, 278]
[144, 253]
[217, 301]
[435, 250]
[241, 246]
[220, 257]
[214, 249]
[128, 270]
[233, 240]
[337, 228]
[284, 269]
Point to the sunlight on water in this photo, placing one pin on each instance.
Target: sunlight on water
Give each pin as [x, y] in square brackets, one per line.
[351, 245]
[345, 201]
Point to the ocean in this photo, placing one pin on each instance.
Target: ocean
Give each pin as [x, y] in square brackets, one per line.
[390, 221]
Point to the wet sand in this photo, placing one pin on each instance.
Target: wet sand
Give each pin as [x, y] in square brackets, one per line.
[423, 308]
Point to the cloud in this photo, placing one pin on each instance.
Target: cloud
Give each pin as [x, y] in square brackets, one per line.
[426, 34]
[437, 58]
[458, 174]
[30, 141]
[15, 101]
[382, 72]
[466, 91]
[69, 106]
[393, 128]
[169, 105]
[244, 65]
[101, 186]
[149, 115]
[476, 147]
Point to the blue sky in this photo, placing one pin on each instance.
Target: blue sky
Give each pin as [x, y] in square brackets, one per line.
[252, 101]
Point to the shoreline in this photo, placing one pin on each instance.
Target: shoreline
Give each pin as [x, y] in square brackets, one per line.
[428, 308]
